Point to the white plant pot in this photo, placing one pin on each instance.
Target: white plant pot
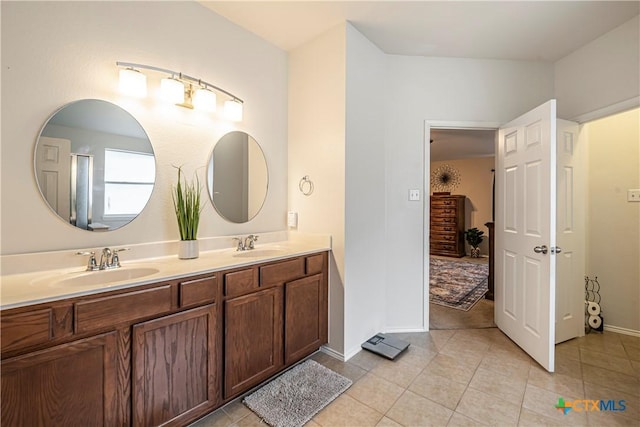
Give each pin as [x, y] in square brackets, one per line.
[188, 249]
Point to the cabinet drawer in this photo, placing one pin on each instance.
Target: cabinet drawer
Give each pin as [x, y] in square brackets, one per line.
[444, 247]
[25, 329]
[21, 330]
[443, 220]
[443, 211]
[314, 264]
[282, 272]
[437, 202]
[443, 237]
[443, 228]
[198, 291]
[100, 313]
[240, 282]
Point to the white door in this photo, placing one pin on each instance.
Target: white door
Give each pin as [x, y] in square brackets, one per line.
[569, 233]
[525, 232]
[53, 170]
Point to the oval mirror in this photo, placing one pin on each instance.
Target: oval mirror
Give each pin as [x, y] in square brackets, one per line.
[94, 165]
[237, 177]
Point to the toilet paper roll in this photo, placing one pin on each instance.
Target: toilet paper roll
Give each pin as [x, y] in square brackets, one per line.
[595, 322]
[593, 308]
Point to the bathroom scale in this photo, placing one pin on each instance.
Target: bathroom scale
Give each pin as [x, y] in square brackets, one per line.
[385, 346]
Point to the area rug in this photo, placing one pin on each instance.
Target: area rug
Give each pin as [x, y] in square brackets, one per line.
[457, 284]
[296, 396]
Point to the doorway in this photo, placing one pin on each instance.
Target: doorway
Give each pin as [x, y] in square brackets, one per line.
[462, 161]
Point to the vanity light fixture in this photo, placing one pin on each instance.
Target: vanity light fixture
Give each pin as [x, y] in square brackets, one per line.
[179, 89]
[133, 83]
[233, 110]
[172, 90]
[205, 100]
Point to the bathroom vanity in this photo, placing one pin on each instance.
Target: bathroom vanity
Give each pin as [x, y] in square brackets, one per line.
[164, 350]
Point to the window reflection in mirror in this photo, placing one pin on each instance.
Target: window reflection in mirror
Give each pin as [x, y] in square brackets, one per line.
[94, 165]
[237, 177]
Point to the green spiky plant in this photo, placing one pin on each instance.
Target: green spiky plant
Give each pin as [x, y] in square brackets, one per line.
[186, 202]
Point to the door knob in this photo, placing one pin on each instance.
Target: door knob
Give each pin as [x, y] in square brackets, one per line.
[556, 250]
[541, 249]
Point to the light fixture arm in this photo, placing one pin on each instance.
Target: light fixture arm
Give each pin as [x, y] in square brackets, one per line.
[179, 76]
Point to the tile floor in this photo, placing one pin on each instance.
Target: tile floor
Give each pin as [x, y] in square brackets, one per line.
[471, 377]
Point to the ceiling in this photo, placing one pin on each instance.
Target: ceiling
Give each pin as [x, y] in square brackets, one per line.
[506, 30]
[452, 144]
[517, 30]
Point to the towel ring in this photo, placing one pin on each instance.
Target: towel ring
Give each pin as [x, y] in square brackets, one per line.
[306, 185]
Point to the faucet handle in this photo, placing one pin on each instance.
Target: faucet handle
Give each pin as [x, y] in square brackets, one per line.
[92, 265]
[252, 238]
[115, 259]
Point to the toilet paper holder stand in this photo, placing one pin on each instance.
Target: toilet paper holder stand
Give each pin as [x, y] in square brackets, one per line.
[593, 310]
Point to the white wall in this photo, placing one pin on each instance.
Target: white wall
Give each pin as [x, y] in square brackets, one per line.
[613, 224]
[57, 52]
[317, 149]
[600, 74]
[365, 227]
[443, 89]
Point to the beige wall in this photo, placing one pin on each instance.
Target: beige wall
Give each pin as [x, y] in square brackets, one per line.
[476, 182]
[613, 224]
[317, 148]
[57, 52]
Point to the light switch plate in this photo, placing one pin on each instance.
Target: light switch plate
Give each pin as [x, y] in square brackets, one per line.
[633, 195]
[414, 195]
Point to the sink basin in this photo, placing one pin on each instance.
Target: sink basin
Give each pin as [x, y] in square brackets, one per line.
[254, 253]
[103, 277]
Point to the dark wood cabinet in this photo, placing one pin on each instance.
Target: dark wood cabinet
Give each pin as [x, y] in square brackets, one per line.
[175, 367]
[305, 317]
[164, 353]
[446, 234]
[67, 385]
[252, 339]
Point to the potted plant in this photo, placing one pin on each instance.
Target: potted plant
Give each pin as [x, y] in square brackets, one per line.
[186, 202]
[474, 238]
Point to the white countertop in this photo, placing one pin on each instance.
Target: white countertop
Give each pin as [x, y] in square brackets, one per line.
[36, 287]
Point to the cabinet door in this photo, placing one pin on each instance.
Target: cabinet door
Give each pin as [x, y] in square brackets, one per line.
[175, 367]
[305, 317]
[253, 339]
[68, 385]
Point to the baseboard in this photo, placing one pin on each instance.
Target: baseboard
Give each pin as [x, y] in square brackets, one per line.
[404, 330]
[623, 331]
[331, 352]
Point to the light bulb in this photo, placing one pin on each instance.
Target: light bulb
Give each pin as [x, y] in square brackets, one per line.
[132, 83]
[205, 100]
[233, 110]
[172, 90]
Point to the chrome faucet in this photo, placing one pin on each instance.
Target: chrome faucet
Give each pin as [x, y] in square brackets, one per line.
[109, 259]
[247, 243]
[106, 263]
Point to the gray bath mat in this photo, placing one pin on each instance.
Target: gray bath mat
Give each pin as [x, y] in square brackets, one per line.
[296, 396]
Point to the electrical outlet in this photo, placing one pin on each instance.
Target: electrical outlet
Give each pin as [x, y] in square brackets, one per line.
[633, 195]
[414, 195]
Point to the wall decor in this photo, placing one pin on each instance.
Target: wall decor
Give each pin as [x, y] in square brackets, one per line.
[445, 178]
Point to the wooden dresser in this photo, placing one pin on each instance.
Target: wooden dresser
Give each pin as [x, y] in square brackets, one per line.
[447, 226]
